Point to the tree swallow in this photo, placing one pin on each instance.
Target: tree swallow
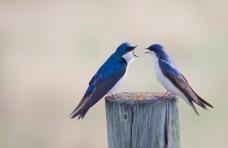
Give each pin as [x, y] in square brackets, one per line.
[175, 83]
[108, 77]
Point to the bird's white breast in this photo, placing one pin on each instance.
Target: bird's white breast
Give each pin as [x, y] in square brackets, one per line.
[163, 80]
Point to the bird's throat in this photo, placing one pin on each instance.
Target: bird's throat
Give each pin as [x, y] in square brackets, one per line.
[129, 57]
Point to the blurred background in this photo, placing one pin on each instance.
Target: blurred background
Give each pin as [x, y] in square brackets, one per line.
[50, 49]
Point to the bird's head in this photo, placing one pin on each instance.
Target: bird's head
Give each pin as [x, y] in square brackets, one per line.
[156, 50]
[126, 51]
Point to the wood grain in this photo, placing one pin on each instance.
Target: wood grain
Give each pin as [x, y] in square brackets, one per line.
[142, 120]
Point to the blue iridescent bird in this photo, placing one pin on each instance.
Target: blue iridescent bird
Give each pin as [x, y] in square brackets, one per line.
[108, 77]
[175, 83]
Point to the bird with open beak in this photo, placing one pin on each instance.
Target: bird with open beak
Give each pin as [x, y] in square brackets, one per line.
[108, 77]
[169, 76]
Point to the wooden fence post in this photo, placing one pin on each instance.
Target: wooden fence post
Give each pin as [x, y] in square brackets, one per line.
[142, 120]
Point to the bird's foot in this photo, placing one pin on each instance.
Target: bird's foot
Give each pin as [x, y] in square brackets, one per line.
[167, 93]
[112, 96]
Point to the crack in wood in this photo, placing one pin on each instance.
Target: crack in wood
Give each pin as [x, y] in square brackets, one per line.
[166, 132]
[132, 120]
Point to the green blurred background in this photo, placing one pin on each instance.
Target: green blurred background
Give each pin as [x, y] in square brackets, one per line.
[50, 49]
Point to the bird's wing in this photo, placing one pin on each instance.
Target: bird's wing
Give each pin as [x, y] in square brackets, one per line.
[108, 64]
[102, 84]
[87, 93]
[98, 75]
[181, 83]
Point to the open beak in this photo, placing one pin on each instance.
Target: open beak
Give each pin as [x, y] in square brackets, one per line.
[134, 52]
[147, 52]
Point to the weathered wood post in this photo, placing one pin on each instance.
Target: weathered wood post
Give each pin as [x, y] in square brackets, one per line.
[142, 120]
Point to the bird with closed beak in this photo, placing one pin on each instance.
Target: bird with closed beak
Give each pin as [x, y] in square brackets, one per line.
[108, 77]
[170, 77]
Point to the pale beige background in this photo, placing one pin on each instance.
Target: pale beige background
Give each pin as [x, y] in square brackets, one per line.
[49, 50]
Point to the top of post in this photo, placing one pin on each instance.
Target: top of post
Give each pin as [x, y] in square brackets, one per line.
[139, 97]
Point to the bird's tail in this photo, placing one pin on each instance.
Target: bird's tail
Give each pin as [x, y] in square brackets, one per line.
[80, 110]
[84, 106]
[193, 107]
[205, 103]
[199, 101]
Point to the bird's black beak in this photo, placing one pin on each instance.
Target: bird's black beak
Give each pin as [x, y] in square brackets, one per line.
[135, 54]
[132, 49]
[147, 52]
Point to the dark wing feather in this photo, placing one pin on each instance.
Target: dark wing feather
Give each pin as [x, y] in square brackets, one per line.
[102, 84]
[202, 100]
[87, 93]
[181, 83]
